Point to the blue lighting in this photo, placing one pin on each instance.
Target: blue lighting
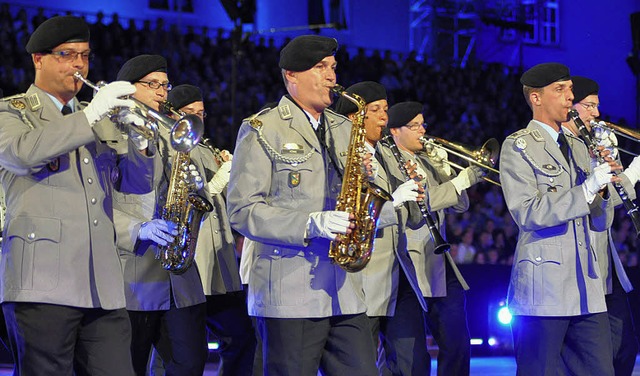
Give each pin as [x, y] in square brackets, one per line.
[504, 316]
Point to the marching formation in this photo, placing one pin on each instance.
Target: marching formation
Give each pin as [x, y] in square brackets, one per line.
[123, 225]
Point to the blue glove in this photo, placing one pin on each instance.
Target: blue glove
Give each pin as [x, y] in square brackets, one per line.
[158, 231]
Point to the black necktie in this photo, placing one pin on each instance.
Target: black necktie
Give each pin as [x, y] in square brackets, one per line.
[66, 110]
[564, 146]
[320, 132]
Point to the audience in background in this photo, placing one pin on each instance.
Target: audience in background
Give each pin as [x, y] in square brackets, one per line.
[465, 105]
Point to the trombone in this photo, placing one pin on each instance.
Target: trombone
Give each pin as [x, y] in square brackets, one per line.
[485, 157]
[621, 131]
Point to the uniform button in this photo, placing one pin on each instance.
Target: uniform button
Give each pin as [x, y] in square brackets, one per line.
[580, 244]
[276, 252]
[95, 222]
[215, 217]
[94, 200]
[216, 231]
[538, 258]
[578, 223]
[31, 236]
[86, 160]
[551, 180]
[90, 180]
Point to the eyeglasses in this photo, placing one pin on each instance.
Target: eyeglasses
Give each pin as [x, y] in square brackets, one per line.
[70, 55]
[590, 106]
[202, 114]
[157, 85]
[415, 127]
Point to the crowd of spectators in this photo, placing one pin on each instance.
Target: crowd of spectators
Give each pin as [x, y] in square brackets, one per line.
[467, 105]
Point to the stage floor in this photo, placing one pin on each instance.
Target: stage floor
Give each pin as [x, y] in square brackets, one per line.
[480, 366]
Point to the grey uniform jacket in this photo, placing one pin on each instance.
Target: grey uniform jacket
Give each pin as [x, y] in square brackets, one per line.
[148, 287]
[280, 174]
[389, 257]
[441, 195]
[215, 252]
[555, 270]
[59, 177]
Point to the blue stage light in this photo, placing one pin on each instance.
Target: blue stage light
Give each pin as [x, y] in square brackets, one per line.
[504, 316]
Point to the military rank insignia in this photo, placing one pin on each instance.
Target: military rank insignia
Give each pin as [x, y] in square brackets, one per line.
[18, 105]
[294, 179]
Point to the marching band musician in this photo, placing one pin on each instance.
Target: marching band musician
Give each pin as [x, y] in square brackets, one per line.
[62, 292]
[385, 286]
[216, 257]
[616, 283]
[439, 279]
[556, 293]
[285, 178]
[166, 309]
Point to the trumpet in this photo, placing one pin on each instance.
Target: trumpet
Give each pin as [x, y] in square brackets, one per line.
[485, 157]
[185, 133]
[619, 130]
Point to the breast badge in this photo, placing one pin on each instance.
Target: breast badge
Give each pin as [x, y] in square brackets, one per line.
[294, 179]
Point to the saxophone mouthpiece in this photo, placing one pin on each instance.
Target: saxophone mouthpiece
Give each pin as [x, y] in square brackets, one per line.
[338, 89]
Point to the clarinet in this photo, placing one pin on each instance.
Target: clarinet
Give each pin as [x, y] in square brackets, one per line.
[629, 205]
[441, 245]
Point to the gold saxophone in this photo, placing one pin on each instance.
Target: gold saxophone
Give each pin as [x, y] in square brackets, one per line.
[183, 207]
[352, 252]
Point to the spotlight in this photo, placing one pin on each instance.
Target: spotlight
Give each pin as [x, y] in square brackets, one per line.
[504, 316]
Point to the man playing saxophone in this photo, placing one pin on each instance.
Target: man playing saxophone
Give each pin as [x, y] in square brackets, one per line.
[285, 178]
[166, 309]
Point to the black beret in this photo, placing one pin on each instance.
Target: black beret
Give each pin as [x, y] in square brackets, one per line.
[55, 31]
[140, 66]
[183, 95]
[544, 74]
[305, 51]
[583, 87]
[400, 114]
[370, 91]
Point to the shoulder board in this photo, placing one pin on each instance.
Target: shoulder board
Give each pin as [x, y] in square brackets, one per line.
[12, 97]
[334, 115]
[520, 133]
[253, 119]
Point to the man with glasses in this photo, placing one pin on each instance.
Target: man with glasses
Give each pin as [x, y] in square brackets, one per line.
[166, 309]
[438, 277]
[556, 294]
[216, 258]
[62, 284]
[614, 278]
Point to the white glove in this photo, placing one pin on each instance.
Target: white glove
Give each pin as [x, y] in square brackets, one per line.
[407, 191]
[107, 98]
[467, 177]
[220, 179]
[327, 224]
[633, 171]
[597, 180]
[159, 231]
[438, 158]
[194, 179]
[605, 137]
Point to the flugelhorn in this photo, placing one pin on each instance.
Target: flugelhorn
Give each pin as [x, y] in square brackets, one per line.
[484, 157]
[185, 133]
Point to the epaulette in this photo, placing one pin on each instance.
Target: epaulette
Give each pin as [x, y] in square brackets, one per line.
[253, 119]
[20, 102]
[17, 96]
[333, 113]
[520, 133]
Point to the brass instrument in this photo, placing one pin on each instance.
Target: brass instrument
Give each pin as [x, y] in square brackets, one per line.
[184, 131]
[627, 133]
[183, 207]
[629, 205]
[485, 157]
[352, 252]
